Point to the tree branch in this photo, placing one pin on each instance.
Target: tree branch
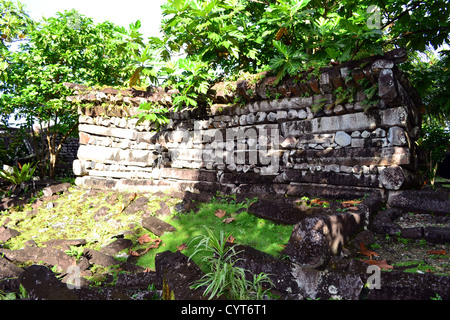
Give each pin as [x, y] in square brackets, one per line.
[415, 5]
[408, 34]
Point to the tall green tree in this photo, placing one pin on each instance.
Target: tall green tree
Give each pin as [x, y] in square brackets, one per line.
[65, 48]
[206, 41]
[287, 36]
[14, 26]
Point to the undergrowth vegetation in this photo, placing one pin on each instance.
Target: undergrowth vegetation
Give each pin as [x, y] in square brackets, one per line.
[224, 277]
[100, 217]
[243, 228]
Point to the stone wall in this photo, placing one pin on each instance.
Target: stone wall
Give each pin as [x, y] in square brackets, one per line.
[26, 151]
[345, 131]
[67, 155]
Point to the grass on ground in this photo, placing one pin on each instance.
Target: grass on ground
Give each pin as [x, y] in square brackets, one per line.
[244, 228]
[73, 216]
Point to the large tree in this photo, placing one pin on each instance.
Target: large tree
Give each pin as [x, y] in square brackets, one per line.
[206, 41]
[65, 48]
[230, 37]
[14, 26]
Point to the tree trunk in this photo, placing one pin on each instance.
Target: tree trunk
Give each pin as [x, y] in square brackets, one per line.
[52, 165]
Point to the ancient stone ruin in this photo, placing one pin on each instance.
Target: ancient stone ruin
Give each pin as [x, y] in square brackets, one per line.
[347, 130]
[343, 132]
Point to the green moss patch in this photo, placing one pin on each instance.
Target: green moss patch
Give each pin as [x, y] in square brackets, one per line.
[242, 227]
[100, 216]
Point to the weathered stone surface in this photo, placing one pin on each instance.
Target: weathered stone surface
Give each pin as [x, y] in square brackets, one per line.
[245, 177]
[342, 139]
[410, 286]
[250, 118]
[308, 245]
[260, 117]
[386, 85]
[49, 256]
[79, 168]
[327, 191]
[292, 114]
[157, 226]
[186, 206]
[396, 136]
[139, 204]
[420, 201]
[301, 102]
[372, 203]
[326, 85]
[109, 132]
[41, 284]
[339, 109]
[164, 210]
[397, 55]
[315, 138]
[8, 269]
[292, 281]
[378, 133]
[187, 174]
[100, 258]
[212, 139]
[437, 234]
[116, 246]
[9, 202]
[100, 213]
[359, 143]
[290, 142]
[302, 114]
[279, 271]
[7, 233]
[315, 284]
[353, 248]
[241, 88]
[383, 222]
[180, 273]
[412, 233]
[297, 89]
[347, 122]
[137, 285]
[392, 178]
[137, 281]
[280, 212]
[149, 137]
[330, 174]
[378, 65]
[86, 138]
[365, 134]
[315, 238]
[116, 155]
[63, 244]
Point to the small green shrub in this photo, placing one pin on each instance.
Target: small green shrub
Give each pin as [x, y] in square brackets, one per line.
[75, 252]
[13, 296]
[225, 278]
[19, 174]
[434, 141]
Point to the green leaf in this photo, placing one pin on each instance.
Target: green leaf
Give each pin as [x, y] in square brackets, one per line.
[235, 52]
[135, 77]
